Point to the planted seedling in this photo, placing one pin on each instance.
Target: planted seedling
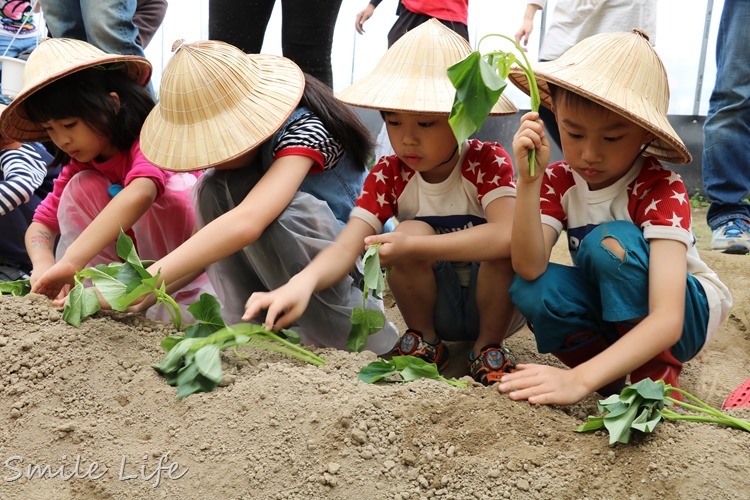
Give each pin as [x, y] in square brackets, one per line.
[16, 288]
[480, 81]
[120, 284]
[641, 406]
[365, 321]
[405, 369]
[193, 364]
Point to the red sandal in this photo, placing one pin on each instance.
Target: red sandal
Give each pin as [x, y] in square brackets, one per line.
[740, 398]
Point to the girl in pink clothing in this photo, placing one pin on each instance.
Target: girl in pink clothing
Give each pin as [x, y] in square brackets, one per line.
[93, 112]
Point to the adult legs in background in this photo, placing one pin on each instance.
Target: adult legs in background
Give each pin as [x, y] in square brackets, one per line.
[306, 37]
[107, 24]
[241, 23]
[726, 167]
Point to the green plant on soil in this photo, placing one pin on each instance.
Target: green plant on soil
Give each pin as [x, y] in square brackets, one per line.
[15, 288]
[193, 360]
[480, 81]
[404, 369]
[641, 406]
[365, 321]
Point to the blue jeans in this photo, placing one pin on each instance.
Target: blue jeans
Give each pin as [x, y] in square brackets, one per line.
[726, 133]
[107, 24]
[602, 291]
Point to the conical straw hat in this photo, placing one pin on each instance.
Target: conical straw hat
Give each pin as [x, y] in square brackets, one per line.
[621, 72]
[4, 140]
[412, 75]
[216, 103]
[56, 58]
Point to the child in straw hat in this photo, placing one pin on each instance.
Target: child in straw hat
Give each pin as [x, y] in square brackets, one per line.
[638, 299]
[449, 256]
[25, 181]
[287, 162]
[92, 106]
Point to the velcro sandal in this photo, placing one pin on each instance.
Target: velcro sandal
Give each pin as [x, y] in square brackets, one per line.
[412, 344]
[491, 364]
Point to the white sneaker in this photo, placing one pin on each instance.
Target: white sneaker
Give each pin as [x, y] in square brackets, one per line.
[732, 237]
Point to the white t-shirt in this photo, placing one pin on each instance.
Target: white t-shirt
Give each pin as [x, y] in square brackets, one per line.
[574, 20]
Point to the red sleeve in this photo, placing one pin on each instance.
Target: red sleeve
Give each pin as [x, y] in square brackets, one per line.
[382, 187]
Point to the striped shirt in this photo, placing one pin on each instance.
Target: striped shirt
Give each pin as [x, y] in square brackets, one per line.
[307, 136]
[22, 172]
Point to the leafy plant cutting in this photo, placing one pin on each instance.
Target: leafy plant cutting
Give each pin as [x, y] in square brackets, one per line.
[120, 284]
[480, 81]
[193, 363]
[16, 288]
[406, 369]
[365, 321]
[641, 406]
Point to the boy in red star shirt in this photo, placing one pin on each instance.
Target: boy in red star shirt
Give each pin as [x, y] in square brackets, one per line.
[638, 299]
[449, 255]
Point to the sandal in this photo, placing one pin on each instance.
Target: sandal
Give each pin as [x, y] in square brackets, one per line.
[740, 398]
[491, 364]
[412, 344]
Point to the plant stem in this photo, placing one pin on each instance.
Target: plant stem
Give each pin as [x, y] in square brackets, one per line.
[533, 87]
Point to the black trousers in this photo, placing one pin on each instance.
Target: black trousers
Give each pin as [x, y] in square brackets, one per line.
[306, 31]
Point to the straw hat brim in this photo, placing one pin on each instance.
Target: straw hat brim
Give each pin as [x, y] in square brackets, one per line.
[409, 94]
[15, 122]
[667, 146]
[4, 140]
[412, 76]
[208, 135]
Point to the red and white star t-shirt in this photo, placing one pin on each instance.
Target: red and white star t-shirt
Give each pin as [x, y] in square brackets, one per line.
[392, 189]
[654, 198]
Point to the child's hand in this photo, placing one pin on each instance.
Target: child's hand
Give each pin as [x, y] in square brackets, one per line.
[283, 306]
[55, 282]
[542, 384]
[393, 247]
[530, 136]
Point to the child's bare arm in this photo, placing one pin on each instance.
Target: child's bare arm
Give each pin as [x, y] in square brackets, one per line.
[531, 241]
[121, 212]
[489, 241]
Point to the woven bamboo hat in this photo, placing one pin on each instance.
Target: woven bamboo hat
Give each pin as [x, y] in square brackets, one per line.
[56, 58]
[4, 140]
[621, 72]
[412, 75]
[216, 103]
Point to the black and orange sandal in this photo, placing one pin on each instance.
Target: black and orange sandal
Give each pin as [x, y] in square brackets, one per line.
[491, 364]
[412, 344]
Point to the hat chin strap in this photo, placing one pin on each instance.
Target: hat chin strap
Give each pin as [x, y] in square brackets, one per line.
[449, 158]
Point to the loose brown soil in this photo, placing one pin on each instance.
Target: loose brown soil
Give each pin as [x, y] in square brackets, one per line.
[86, 403]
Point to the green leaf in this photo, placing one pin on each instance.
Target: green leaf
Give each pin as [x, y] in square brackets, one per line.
[373, 273]
[375, 371]
[364, 322]
[619, 427]
[81, 303]
[408, 367]
[478, 88]
[173, 360]
[646, 420]
[594, 423]
[126, 251]
[207, 312]
[15, 288]
[110, 288]
[208, 362]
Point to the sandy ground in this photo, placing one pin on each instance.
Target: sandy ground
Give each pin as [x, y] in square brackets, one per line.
[83, 415]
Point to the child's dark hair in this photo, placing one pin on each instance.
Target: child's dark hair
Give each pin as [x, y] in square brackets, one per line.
[572, 99]
[86, 95]
[339, 119]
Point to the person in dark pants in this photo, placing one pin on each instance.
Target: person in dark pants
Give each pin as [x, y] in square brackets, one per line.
[306, 30]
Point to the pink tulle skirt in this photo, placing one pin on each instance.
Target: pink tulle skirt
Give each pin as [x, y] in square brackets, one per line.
[165, 226]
